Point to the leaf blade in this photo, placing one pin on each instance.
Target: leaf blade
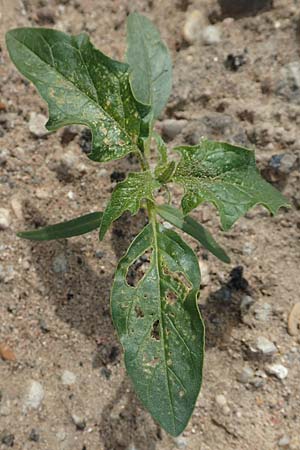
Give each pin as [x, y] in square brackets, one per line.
[225, 175]
[194, 229]
[81, 85]
[166, 373]
[62, 230]
[150, 63]
[127, 196]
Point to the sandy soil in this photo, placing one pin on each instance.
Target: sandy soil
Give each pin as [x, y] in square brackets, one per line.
[54, 297]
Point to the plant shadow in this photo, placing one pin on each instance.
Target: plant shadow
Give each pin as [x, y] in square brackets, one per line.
[222, 309]
[81, 296]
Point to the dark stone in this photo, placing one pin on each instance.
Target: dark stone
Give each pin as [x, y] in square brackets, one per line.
[80, 426]
[34, 436]
[44, 327]
[105, 372]
[7, 438]
[242, 8]
[234, 62]
[45, 16]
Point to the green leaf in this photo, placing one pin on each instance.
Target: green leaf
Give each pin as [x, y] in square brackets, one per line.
[226, 176]
[164, 173]
[193, 228]
[160, 326]
[150, 63]
[74, 227]
[81, 86]
[127, 196]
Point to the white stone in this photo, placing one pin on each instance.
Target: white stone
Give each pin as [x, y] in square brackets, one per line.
[211, 35]
[221, 400]
[265, 346]
[34, 396]
[193, 25]
[284, 441]
[68, 378]
[246, 375]
[278, 370]
[60, 263]
[3, 156]
[37, 124]
[4, 219]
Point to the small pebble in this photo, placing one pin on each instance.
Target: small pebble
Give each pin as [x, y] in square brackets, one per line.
[79, 422]
[246, 376]
[16, 206]
[4, 219]
[284, 441]
[61, 435]
[34, 396]
[263, 312]
[211, 35]
[34, 435]
[3, 157]
[68, 378]
[6, 353]
[246, 302]
[221, 400]
[37, 124]
[45, 15]
[193, 25]
[265, 346]
[172, 127]
[60, 263]
[181, 442]
[278, 370]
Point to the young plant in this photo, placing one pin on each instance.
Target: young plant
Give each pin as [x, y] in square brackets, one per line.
[157, 320]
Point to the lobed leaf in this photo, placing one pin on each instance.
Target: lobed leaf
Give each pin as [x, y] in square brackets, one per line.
[150, 63]
[127, 196]
[81, 86]
[160, 326]
[74, 227]
[194, 229]
[225, 175]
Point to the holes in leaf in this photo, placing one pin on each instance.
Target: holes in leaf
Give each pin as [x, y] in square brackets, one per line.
[171, 297]
[138, 311]
[155, 331]
[138, 269]
[181, 278]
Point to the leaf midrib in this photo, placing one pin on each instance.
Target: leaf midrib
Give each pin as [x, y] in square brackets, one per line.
[162, 333]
